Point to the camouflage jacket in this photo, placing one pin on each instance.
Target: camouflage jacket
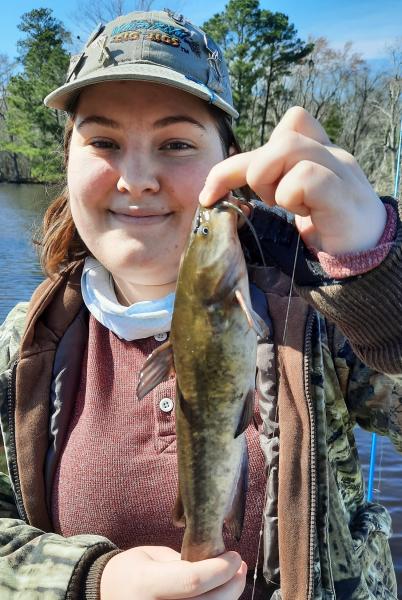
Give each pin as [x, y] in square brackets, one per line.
[328, 542]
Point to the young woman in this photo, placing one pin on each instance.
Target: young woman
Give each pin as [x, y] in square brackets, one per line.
[86, 505]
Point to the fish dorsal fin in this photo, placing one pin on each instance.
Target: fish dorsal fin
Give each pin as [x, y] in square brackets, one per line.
[254, 320]
[247, 413]
[157, 367]
[178, 512]
[235, 517]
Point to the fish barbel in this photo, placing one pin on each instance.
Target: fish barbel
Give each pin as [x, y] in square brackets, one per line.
[212, 347]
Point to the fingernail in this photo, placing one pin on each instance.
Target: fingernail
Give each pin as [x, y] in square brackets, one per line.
[202, 197]
[205, 195]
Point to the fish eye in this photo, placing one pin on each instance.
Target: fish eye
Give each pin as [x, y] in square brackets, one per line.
[204, 230]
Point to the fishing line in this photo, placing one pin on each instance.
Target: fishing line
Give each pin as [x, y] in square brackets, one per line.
[249, 223]
[290, 291]
[261, 532]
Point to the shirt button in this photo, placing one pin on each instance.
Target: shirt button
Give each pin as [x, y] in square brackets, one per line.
[160, 337]
[166, 405]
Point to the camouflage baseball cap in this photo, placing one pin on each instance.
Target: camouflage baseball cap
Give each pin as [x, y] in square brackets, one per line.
[158, 46]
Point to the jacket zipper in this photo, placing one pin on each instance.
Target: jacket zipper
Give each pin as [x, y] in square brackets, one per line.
[313, 461]
[13, 466]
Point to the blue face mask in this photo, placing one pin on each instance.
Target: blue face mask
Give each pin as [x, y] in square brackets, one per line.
[138, 321]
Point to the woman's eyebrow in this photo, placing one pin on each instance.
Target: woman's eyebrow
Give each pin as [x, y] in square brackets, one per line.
[159, 124]
[173, 119]
[99, 120]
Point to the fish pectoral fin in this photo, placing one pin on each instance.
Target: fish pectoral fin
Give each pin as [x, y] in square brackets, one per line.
[178, 512]
[260, 327]
[245, 308]
[247, 413]
[158, 366]
[235, 517]
[254, 320]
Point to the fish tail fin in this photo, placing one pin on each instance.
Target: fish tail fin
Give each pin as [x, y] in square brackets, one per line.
[193, 552]
[235, 517]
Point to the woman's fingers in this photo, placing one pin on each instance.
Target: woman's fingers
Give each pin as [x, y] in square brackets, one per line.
[306, 185]
[300, 170]
[275, 160]
[161, 553]
[297, 119]
[230, 590]
[225, 176]
[152, 573]
[263, 169]
[337, 215]
[182, 579]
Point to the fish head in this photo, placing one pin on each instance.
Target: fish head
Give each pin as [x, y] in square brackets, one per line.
[213, 261]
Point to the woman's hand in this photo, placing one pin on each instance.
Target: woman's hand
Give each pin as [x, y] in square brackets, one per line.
[156, 573]
[299, 169]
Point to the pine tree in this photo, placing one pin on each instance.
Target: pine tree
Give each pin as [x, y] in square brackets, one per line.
[36, 130]
[278, 48]
[235, 30]
[259, 46]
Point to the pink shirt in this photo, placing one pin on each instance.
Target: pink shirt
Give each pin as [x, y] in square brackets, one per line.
[117, 474]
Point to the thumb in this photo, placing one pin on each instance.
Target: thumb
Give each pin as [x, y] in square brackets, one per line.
[183, 579]
[161, 553]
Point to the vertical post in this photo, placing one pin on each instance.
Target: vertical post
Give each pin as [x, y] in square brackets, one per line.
[398, 163]
[370, 488]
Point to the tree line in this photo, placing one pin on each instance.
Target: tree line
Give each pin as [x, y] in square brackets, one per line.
[271, 69]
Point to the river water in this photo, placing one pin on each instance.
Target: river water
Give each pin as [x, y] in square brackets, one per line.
[21, 208]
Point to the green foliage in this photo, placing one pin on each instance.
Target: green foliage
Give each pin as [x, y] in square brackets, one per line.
[235, 29]
[35, 130]
[271, 69]
[333, 122]
[260, 46]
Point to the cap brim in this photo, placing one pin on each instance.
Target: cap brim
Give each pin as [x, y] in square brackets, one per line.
[62, 97]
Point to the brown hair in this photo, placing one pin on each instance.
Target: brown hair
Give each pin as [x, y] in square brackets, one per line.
[60, 243]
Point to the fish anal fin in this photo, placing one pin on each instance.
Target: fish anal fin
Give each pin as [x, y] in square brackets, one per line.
[235, 517]
[247, 413]
[185, 406]
[157, 367]
[254, 320]
[178, 512]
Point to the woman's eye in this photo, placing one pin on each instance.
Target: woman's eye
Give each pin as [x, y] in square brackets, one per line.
[177, 145]
[104, 144]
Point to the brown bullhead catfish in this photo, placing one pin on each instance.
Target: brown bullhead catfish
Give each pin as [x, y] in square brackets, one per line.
[212, 347]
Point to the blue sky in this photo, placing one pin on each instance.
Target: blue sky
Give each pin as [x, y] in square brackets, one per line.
[371, 24]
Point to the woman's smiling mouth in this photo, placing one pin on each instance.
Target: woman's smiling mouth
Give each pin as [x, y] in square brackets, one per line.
[140, 217]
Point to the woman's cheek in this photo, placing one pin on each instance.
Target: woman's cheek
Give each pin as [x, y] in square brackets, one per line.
[90, 181]
[191, 183]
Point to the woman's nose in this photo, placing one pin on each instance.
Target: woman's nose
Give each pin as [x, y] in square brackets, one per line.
[138, 176]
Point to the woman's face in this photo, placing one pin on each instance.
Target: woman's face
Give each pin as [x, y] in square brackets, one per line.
[139, 156]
